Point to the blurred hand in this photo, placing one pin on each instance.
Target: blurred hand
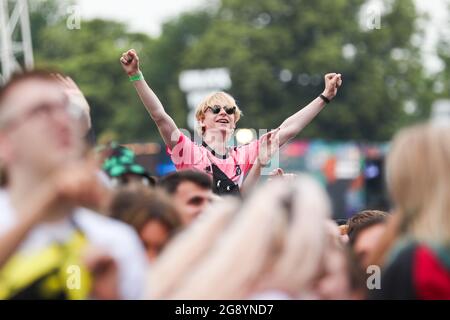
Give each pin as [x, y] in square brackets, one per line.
[332, 83]
[278, 172]
[269, 144]
[130, 62]
[76, 97]
[105, 274]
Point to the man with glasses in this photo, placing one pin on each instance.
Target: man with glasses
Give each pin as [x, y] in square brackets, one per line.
[45, 235]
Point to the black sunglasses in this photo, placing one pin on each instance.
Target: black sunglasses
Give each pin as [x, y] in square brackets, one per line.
[216, 109]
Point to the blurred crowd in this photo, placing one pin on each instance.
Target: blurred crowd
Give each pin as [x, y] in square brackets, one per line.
[82, 222]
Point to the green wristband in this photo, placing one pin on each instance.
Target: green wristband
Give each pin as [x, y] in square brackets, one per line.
[136, 77]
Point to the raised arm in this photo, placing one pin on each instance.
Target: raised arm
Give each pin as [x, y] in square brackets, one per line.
[295, 123]
[166, 126]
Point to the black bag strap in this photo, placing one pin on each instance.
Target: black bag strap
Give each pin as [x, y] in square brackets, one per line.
[222, 184]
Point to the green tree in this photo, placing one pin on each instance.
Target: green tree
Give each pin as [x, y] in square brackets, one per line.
[257, 39]
[261, 42]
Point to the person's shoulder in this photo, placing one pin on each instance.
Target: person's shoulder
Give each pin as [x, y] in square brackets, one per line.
[418, 271]
[397, 277]
[432, 272]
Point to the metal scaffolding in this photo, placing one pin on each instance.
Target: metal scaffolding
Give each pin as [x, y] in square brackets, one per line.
[16, 51]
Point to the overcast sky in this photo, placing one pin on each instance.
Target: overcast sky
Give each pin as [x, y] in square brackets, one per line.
[148, 16]
[141, 15]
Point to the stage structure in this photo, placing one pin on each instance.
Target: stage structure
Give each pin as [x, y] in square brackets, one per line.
[16, 51]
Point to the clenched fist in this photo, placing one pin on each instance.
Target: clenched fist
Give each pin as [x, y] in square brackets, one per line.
[130, 62]
[332, 83]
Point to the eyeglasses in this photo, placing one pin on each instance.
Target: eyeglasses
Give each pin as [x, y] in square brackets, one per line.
[216, 109]
[44, 109]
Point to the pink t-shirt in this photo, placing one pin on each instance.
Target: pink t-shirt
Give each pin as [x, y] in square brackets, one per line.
[187, 154]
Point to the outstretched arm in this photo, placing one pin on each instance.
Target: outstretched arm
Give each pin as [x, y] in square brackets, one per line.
[166, 126]
[295, 123]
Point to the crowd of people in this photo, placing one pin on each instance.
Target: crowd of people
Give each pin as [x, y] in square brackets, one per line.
[79, 222]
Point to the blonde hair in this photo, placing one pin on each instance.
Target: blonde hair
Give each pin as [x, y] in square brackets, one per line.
[219, 98]
[271, 238]
[418, 179]
[182, 254]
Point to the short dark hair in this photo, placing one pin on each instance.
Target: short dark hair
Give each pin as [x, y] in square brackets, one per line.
[363, 220]
[18, 78]
[136, 205]
[171, 181]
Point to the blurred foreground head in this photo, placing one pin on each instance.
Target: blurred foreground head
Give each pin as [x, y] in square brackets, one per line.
[277, 242]
[184, 253]
[39, 128]
[418, 178]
